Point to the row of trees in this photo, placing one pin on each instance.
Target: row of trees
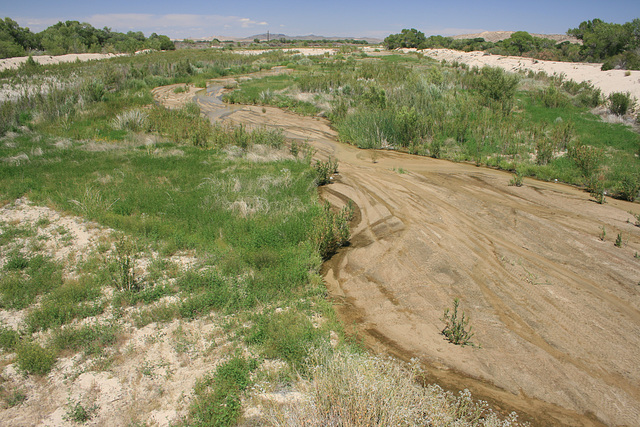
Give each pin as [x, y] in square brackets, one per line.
[74, 37]
[617, 45]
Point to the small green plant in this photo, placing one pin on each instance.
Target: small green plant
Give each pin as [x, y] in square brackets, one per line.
[517, 179]
[294, 149]
[124, 262]
[325, 170]
[455, 328]
[78, 413]
[603, 233]
[618, 242]
[14, 397]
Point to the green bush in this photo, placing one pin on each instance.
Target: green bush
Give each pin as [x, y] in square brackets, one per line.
[457, 329]
[325, 170]
[331, 230]
[585, 157]
[33, 359]
[620, 103]
[496, 85]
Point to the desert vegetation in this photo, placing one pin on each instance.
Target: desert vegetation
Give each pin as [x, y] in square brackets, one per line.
[616, 45]
[209, 235]
[542, 126]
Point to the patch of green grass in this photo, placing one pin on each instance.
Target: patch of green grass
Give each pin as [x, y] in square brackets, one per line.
[34, 359]
[9, 339]
[91, 339]
[217, 397]
[26, 278]
[73, 299]
[288, 335]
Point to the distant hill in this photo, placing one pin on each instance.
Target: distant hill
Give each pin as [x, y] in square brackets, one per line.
[496, 36]
[264, 37]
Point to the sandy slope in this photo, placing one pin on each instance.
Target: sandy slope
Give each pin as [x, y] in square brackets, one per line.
[48, 59]
[608, 81]
[556, 310]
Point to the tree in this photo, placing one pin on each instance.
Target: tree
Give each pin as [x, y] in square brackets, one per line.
[14, 40]
[407, 38]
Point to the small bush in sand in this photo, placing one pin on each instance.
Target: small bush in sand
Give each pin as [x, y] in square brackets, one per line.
[457, 329]
[620, 103]
[517, 179]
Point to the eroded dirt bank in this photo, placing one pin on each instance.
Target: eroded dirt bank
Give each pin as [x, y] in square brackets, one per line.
[555, 309]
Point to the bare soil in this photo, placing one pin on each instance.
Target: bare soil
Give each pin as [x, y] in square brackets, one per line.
[555, 309]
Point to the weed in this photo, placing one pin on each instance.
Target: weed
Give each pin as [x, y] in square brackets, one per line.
[618, 242]
[331, 230]
[288, 335]
[12, 398]
[124, 264]
[77, 412]
[325, 170]
[517, 179]
[603, 233]
[455, 328]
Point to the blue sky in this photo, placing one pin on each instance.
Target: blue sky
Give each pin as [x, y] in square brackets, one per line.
[373, 18]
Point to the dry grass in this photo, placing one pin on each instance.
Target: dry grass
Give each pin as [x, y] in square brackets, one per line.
[349, 389]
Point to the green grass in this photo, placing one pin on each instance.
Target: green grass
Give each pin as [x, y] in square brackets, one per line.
[217, 397]
[457, 113]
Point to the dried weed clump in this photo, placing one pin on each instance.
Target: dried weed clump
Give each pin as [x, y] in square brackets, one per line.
[350, 389]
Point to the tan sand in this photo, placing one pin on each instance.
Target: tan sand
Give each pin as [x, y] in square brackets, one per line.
[608, 81]
[47, 59]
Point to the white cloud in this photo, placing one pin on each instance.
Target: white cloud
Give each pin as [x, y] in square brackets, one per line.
[173, 25]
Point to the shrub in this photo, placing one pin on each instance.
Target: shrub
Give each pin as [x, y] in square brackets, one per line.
[551, 97]
[496, 85]
[585, 157]
[351, 389]
[628, 187]
[33, 359]
[93, 90]
[331, 230]
[455, 328]
[544, 150]
[324, 170]
[517, 179]
[133, 120]
[620, 103]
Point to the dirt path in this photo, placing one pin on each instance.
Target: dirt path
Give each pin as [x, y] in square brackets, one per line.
[555, 309]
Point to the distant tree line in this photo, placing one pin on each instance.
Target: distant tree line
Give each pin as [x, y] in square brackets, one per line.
[616, 45]
[74, 37]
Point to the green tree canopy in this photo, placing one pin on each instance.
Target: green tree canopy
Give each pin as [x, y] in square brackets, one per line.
[407, 38]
